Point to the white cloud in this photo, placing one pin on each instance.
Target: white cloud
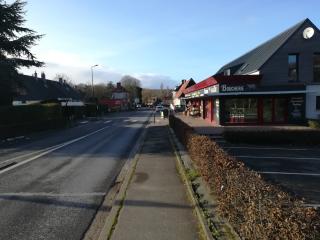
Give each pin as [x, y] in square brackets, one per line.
[78, 69]
[151, 80]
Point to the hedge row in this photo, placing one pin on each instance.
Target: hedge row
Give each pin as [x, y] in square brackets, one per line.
[292, 137]
[25, 119]
[255, 208]
[314, 124]
[10, 115]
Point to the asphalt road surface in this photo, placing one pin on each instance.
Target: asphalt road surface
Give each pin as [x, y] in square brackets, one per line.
[297, 169]
[52, 184]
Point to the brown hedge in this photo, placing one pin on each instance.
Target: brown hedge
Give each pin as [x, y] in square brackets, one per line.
[256, 208]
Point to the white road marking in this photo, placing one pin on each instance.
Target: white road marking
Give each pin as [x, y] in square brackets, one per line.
[298, 158]
[270, 148]
[83, 122]
[44, 194]
[107, 121]
[312, 205]
[292, 173]
[29, 154]
[51, 150]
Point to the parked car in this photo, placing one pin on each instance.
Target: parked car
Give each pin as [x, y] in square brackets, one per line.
[159, 108]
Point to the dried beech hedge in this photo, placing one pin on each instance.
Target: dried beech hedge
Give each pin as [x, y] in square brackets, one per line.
[256, 209]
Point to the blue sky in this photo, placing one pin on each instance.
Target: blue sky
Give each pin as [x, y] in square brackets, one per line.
[155, 40]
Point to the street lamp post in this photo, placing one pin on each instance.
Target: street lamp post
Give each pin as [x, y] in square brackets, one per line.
[92, 79]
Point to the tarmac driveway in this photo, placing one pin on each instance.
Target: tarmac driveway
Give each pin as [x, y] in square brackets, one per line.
[297, 169]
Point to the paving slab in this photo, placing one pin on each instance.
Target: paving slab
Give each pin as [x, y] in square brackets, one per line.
[156, 205]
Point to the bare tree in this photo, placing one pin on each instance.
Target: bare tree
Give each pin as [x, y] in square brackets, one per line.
[131, 84]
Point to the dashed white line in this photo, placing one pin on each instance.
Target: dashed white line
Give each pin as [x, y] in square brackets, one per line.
[51, 150]
[270, 148]
[44, 194]
[312, 205]
[275, 157]
[292, 173]
[107, 121]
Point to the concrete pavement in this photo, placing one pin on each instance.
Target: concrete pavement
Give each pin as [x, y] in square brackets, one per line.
[156, 205]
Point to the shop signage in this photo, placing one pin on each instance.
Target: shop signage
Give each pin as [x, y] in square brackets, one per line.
[237, 88]
[225, 88]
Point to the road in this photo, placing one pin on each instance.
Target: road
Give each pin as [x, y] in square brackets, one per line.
[52, 185]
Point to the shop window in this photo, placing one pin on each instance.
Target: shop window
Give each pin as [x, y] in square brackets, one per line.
[318, 103]
[280, 107]
[241, 110]
[293, 65]
[316, 67]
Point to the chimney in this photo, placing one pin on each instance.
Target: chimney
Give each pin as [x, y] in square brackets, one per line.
[43, 75]
[60, 80]
[183, 81]
[35, 74]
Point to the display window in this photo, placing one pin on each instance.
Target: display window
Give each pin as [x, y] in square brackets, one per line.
[241, 110]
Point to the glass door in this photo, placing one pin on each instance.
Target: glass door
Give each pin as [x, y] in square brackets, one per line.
[280, 107]
[267, 110]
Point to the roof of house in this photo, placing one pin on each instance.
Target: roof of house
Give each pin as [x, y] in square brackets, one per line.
[253, 60]
[32, 88]
[220, 79]
[179, 86]
[185, 84]
[119, 88]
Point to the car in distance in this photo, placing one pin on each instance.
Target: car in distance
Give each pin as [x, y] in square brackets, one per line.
[159, 108]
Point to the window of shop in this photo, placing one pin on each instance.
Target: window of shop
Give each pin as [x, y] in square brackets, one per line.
[293, 64]
[280, 108]
[318, 103]
[241, 110]
[316, 67]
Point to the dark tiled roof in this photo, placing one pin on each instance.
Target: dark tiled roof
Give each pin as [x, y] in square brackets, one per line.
[254, 59]
[32, 88]
[186, 84]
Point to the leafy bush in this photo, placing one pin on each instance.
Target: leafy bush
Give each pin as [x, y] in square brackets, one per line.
[314, 124]
[24, 119]
[256, 208]
[29, 113]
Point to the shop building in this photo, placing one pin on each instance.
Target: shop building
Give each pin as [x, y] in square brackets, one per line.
[278, 82]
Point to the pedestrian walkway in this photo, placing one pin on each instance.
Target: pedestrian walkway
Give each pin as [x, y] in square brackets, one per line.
[156, 205]
[204, 127]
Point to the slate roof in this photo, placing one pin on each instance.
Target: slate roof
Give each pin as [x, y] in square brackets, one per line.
[254, 59]
[31, 88]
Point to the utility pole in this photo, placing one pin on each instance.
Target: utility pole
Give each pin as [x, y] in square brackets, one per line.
[96, 65]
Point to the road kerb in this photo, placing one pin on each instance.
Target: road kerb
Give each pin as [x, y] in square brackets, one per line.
[124, 178]
[185, 162]
[204, 227]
